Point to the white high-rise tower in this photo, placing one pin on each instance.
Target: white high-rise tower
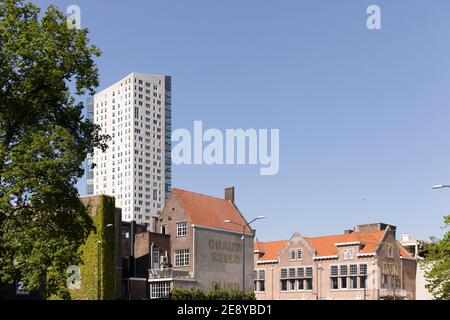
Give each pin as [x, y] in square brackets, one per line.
[136, 169]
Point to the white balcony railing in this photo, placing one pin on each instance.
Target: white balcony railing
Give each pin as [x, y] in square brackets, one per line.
[168, 274]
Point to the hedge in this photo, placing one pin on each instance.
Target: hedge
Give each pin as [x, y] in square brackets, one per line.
[216, 293]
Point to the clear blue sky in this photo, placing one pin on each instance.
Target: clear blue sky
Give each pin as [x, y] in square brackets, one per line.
[364, 115]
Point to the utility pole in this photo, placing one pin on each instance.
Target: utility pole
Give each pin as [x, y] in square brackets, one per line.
[245, 226]
[365, 283]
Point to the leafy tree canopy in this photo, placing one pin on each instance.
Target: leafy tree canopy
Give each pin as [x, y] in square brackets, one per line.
[437, 263]
[44, 139]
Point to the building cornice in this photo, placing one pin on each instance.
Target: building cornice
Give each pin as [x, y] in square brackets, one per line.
[346, 244]
[361, 255]
[195, 226]
[267, 262]
[326, 257]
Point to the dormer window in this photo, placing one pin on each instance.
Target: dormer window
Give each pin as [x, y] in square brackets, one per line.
[348, 254]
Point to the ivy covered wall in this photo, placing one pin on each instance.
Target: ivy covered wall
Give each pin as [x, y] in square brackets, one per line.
[102, 210]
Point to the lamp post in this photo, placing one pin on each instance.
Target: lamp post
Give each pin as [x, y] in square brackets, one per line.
[98, 262]
[319, 268]
[271, 269]
[441, 186]
[244, 226]
[365, 283]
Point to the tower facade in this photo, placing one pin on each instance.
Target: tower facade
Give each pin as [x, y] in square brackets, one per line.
[136, 168]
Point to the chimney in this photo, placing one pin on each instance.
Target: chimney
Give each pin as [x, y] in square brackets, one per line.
[229, 194]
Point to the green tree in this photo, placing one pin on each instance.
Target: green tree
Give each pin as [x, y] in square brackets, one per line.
[437, 264]
[44, 139]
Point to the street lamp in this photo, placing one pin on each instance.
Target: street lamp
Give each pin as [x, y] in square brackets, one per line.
[319, 268]
[243, 243]
[98, 262]
[441, 186]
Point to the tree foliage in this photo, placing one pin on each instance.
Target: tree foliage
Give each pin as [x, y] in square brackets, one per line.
[437, 264]
[44, 140]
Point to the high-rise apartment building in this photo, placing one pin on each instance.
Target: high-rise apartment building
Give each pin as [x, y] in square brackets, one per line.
[89, 160]
[136, 168]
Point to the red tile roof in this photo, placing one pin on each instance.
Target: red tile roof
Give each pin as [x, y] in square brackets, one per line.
[270, 250]
[325, 246]
[207, 211]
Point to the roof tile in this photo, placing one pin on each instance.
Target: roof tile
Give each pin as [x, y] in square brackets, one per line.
[325, 246]
[209, 211]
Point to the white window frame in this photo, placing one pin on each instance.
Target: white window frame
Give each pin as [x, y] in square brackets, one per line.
[160, 290]
[181, 229]
[348, 275]
[182, 258]
[348, 254]
[294, 254]
[260, 279]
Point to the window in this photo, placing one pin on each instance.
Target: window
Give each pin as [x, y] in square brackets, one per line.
[344, 270]
[334, 277]
[349, 277]
[362, 275]
[182, 258]
[159, 290]
[283, 285]
[163, 229]
[293, 256]
[284, 281]
[292, 285]
[288, 279]
[348, 254]
[362, 282]
[301, 281]
[260, 277]
[344, 273]
[353, 269]
[291, 273]
[291, 279]
[155, 259]
[309, 279]
[260, 280]
[305, 278]
[296, 254]
[363, 269]
[334, 283]
[353, 282]
[344, 283]
[181, 229]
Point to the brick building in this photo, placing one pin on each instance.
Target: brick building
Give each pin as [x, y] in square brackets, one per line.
[364, 263]
[192, 245]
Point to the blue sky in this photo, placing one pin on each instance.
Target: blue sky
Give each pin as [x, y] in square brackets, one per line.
[363, 115]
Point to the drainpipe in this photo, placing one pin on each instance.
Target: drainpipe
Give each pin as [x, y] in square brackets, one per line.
[147, 285]
[319, 268]
[272, 281]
